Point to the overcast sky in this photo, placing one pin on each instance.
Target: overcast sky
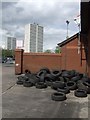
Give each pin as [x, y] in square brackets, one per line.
[51, 14]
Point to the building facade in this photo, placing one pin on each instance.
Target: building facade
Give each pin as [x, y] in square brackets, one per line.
[10, 43]
[19, 44]
[73, 54]
[33, 38]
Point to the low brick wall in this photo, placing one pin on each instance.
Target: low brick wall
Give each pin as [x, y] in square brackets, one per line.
[35, 61]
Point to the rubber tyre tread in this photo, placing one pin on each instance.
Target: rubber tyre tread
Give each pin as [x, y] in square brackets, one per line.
[58, 96]
[41, 85]
[27, 84]
[71, 85]
[80, 93]
[64, 90]
[19, 82]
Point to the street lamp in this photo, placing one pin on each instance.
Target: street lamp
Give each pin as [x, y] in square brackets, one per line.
[78, 24]
[65, 60]
[67, 28]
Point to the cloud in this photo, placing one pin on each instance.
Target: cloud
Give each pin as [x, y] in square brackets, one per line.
[51, 14]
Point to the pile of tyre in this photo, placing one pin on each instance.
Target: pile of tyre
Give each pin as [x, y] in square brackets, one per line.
[62, 81]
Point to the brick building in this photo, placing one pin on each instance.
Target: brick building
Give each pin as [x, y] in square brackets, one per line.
[73, 55]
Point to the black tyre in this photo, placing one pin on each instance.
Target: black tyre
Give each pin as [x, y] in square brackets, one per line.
[87, 83]
[34, 81]
[71, 85]
[81, 86]
[41, 85]
[45, 69]
[48, 80]
[65, 75]
[22, 78]
[28, 75]
[84, 79]
[64, 90]
[39, 74]
[81, 75]
[72, 73]
[49, 83]
[80, 93]
[27, 83]
[19, 82]
[57, 84]
[66, 79]
[49, 77]
[76, 78]
[42, 78]
[58, 96]
[56, 73]
[61, 79]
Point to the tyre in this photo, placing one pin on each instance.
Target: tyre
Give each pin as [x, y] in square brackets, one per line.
[71, 85]
[41, 85]
[27, 84]
[45, 69]
[19, 82]
[21, 77]
[34, 80]
[72, 73]
[56, 73]
[66, 75]
[42, 78]
[84, 79]
[80, 93]
[58, 96]
[66, 79]
[49, 83]
[57, 84]
[49, 77]
[81, 86]
[87, 83]
[81, 75]
[76, 78]
[48, 80]
[41, 73]
[61, 79]
[28, 75]
[64, 90]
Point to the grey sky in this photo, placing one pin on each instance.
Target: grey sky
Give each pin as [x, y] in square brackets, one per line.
[51, 14]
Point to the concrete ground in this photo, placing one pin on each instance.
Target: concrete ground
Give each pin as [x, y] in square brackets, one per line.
[22, 102]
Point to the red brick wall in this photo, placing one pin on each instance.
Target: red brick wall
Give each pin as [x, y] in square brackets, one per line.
[70, 57]
[36, 61]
